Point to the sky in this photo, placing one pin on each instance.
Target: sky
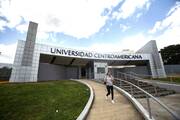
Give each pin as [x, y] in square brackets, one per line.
[94, 25]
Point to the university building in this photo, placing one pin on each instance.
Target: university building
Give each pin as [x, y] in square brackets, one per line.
[38, 62]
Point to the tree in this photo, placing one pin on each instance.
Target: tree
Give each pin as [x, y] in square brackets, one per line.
[171, 54]
[5, 73]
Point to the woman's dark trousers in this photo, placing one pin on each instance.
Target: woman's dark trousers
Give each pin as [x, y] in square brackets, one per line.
[110, 90]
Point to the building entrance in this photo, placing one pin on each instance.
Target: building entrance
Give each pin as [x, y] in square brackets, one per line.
[83, 72]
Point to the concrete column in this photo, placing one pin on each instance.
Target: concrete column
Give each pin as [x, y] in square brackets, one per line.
[156, 64]
[25, 67]
[29, 45]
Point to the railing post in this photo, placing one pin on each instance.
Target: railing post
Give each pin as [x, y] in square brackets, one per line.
[149, 107]
[119, 75]
[155, 90]
[131, 90]
[120, 83]
[138, 82]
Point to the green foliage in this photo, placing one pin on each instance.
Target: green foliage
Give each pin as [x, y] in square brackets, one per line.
[40, 101]
[5, 73]
[171, 54]
[175, 80]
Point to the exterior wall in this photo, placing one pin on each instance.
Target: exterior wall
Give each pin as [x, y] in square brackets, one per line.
[142, 70]
[100, 64]
[172, 69]
[56, 72]
[90, 70]
[72, 72]
[156, 64]
[24, 73]
[51, 72]
[138, 69]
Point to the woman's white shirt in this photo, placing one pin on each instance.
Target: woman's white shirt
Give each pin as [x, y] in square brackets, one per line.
[109, 80]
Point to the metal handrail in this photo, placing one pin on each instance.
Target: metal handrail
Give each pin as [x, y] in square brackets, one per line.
[139, 76]
[130, 75]
[175, 116]
[143, 75]
[135, 77]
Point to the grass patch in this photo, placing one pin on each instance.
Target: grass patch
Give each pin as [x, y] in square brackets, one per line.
[39, 101]
[175, 80]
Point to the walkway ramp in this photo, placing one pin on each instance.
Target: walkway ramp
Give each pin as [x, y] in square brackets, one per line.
[103, 109]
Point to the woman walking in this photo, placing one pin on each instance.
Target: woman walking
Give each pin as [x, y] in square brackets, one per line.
[108, 80]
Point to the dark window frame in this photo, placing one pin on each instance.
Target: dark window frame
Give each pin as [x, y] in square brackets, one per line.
[100, 70]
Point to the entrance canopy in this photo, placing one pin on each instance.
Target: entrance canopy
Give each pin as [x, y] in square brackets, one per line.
[66, 61]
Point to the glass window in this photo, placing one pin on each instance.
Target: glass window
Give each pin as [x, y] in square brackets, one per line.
[100, 70]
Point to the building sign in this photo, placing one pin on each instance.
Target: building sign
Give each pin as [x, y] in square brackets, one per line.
[92, 55]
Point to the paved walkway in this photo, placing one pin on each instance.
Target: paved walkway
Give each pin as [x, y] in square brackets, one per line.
[103, 109]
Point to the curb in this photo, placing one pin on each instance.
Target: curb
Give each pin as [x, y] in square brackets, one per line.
[87, 108]
[138, 106]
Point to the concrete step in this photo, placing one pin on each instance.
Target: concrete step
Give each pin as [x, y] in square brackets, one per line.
[143, 85]
[152, 90]
[142, 95]
[155, 91]
[147, 86]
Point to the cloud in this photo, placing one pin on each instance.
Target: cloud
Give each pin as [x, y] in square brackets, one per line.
[156, 27]
[172, 20]
[107, 29]
[78, 18]
[4, 5]
[139, 15]
[136, 41]
[124, 27]
[129, 7]
[133, 42]
[22, 28]
[173, 9]
[50, 39]
[2, 24]
[7, 53]
[171, 27]
[169, 37]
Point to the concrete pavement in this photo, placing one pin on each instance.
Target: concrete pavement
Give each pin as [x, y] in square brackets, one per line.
[103, 109]
[159, 113]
